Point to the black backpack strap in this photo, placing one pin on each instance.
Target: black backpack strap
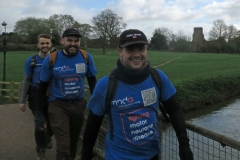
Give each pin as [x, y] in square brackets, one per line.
[33, 62]
[157, 80]
[111, 91]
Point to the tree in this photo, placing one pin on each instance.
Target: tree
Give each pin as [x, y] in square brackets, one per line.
[85, 30]
[181, 36]
[232, 47]
[30, 28]
[232, 32]
[158, 41]
[58, 23]
[182, 45]
[15, 38]
[219, 29]
[166, 32]
[107, 25]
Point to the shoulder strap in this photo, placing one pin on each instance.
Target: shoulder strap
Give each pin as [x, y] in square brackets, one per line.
[52, 58]
[33, 61]
[85, 55]
[157, 80]
[111, 91]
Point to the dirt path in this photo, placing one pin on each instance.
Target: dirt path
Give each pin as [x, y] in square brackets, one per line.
[168, 61]
[17, 135]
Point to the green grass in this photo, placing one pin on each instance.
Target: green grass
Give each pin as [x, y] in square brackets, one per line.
[199, 77]
[188, 66]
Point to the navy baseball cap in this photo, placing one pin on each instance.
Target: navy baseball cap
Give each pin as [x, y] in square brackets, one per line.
[71, 32]
[132, 36]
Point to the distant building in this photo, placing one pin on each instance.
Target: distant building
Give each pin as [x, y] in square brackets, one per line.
[198, 39]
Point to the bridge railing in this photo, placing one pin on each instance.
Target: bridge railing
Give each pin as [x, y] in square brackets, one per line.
[205, 144]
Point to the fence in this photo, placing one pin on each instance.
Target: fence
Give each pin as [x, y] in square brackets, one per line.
[205, 144]
[11, 90]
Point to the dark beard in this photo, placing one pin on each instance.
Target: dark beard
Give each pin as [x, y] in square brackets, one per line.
[67, 50]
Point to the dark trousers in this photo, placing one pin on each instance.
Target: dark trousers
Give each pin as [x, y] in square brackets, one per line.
[40, 138]
[66, 120]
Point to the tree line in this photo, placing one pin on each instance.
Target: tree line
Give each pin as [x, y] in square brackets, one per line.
[222, 38]
[106, 28]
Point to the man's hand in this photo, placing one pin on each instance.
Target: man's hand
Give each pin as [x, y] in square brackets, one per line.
[185, 152]
[22, 107]
[40, 121]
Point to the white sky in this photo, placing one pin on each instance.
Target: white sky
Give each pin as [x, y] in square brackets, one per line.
[145, 15]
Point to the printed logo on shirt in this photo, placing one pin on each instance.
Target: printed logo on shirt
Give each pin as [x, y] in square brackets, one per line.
[38, 65]
[70, 85]
[63, 68]
[127, 101]
[149, 96]
[80, 68]
[139, 126]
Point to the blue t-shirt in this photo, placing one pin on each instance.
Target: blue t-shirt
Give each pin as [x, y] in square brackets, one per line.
[67, 75]
[34, 71]
[134, 115]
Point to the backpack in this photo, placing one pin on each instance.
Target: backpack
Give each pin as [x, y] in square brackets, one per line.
[54, 52]
[112, 89]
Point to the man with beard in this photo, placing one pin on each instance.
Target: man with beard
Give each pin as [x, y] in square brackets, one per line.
[133, 110]
[66, 99]
[29, 88]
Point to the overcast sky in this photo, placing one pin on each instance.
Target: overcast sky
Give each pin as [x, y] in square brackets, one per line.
[145, 15]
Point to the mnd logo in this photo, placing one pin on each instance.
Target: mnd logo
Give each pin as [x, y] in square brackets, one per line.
[63, 68]
[38, 65]
[123, 101]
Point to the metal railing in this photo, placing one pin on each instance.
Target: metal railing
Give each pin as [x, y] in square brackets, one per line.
[205, 144]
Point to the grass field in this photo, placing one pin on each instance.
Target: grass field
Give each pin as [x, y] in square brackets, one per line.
[198, 77]
[186, 65]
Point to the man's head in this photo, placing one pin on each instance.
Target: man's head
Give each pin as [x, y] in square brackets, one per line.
[71, 41]
[44, 43]
[132, 47]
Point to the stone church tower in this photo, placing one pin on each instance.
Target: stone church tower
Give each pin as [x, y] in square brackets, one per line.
[198, 39]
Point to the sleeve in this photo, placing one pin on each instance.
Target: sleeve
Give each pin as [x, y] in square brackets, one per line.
[167, 88]
[177, 119]
[27, 67]
[91, 69]
[41, 96]
[92, 82]
[93, 125]
[46, 71]
[97, 101]
[25, 87]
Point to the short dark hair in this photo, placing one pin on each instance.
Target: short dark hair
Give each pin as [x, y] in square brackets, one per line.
[47, 36]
